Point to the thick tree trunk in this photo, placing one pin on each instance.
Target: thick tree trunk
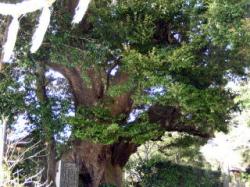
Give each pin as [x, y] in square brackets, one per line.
[51, 162]
[100, 164]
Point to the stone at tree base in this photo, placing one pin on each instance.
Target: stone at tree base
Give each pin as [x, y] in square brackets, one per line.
[67, 174]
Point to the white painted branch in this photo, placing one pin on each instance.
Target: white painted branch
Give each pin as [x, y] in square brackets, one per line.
[18, 9]
[9, 46]
[80, 11]
[41, 29]
[28, 6]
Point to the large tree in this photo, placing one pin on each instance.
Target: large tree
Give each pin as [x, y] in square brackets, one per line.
[137, 69]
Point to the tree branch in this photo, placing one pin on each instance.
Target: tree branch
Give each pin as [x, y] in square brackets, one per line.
[83, 96]
[168, 117]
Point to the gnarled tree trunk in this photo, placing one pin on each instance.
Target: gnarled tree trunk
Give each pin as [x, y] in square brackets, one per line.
[98, 163]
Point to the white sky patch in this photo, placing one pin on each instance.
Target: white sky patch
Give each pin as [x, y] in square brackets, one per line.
[234, 85]
[225, 150]
[156, 90]
[114, 71]
[19, 131]
[9, 46]
[133, 115]
[54, 74]
[64, 136]
[113, 2]
[80, 11]
[41, 29]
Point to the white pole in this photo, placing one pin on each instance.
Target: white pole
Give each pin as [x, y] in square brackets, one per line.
[3, 137]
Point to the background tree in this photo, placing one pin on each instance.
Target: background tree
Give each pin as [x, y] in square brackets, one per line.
[175, 160]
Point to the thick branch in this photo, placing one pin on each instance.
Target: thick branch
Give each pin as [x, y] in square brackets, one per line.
[123, 103]
[96, 82]
[121, 152]
[83, 96]
[168, 117]
[88, 96]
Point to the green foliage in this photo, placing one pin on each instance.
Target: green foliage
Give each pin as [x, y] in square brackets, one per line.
[166, 174]
[187, 49]
[107, 185]
[182, 149]
[246, 156]
[10, 98]
[173, 161]
[97, 125]
[175, 53]
[243, 97]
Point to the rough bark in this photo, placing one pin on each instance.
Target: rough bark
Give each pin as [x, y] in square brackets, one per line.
[98, 163]
[51, 162]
